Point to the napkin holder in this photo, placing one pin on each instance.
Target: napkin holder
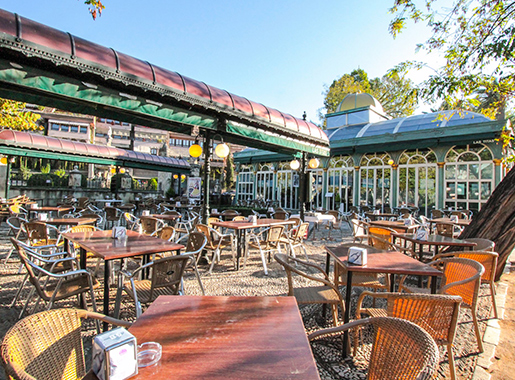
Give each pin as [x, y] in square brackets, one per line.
[214, 211]
[145, 213]
[357, 256]
[34, 205]
[454, 218]
[252, 219]
[119, 233]
[177, 204]
[376, 212]
[408, 222]
[115, 355]
[42, 216]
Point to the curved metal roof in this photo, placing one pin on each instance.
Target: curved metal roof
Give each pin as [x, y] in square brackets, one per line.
[353, 101]
[129, 158]
[424, 122]
[64, 51]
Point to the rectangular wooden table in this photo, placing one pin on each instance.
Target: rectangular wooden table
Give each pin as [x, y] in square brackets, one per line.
[434, 240]
[241, 228]
[50, 209]
[459, 222]
[388, 262]
[394, 225]
[70, 221]
[101, 244]
[225, 338]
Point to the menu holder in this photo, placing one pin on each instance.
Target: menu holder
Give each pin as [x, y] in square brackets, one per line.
[119, 233]
[357, 256]
[115, 355]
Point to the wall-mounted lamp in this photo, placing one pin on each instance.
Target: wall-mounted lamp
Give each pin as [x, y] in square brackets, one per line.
[295, 164]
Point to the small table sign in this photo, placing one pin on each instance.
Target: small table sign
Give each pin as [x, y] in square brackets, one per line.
[357, 256]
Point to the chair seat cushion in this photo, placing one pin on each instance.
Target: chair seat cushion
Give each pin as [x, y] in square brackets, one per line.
[143, 291]
[316, 294]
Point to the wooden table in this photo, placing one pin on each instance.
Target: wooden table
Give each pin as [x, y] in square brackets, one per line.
[241, 228]
[224, 216]
[373, 216]
[460, 222]
[101, 244]
[70, 221]
[434, 240]
[398, 226]
[389, 262]
[225, 338]
[50, 209]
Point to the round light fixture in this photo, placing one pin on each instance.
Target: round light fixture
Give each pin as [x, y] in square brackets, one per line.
[195, 150]
[390, 162]
[113, 170]
[295, 164]
[183, 176]
[3, 160]
[175, 176]
[313, 163]
[222, 150]
[122, 170]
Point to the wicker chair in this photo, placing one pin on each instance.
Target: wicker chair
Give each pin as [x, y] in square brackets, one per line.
[195, 244]
[326, 293]
[294, 238]
[165, 233]
[337, 224]
[359, 229]
[283, 215]
[400, 348]
[266, 241]
[488, 260]
[131, 221]
[51, 284]
[17, 228]
[48, 345]
[436, 313]
[437, 214]
[216, 242]
[38, 233]
[482, 244]
[112, 216]
[149, 225]
[461, 277]
[165, 279]
[239, 218]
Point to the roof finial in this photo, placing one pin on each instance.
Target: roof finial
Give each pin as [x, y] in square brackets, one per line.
[304, 116]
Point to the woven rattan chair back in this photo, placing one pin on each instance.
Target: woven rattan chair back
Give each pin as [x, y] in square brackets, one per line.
[482, 244]
[111, 214]
[400, 348]
[239, 218]
[204, 230]
[37, 232]
[460, 214]
[167, 273]
[300, 233]
[149, 225]
[196, 241]
[327, 293]
[48, 345]
[445, 229]
[437, 214]
[273, 236]
[359, 229]
[436, 313]
[83, 202]
[172, 212]
[166, 233]
[283, 215]
[131, 221]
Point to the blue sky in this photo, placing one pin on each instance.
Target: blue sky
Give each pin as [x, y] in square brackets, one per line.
[277, 52]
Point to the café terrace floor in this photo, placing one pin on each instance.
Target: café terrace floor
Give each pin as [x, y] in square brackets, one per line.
[224, 281]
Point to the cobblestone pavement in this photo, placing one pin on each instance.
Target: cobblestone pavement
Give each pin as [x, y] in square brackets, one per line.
[251, 281]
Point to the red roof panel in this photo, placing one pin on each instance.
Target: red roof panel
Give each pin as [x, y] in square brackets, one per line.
[168, 78]
[303, 127]
[196, 88]
[221, 96]
[95, 53]
[7, 23]
[260, 110]
[43, 35]
[242, 104]
[135, 67]
[291, 123]
[276, 117]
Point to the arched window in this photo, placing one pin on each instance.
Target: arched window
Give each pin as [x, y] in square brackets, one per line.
[469, 176]
[340, 182]
[417, 179]
[245, 183]
[374, 178]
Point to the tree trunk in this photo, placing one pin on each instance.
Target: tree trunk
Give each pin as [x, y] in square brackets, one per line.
[496, 221]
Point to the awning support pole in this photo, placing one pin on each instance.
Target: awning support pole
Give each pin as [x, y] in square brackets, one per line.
[207, 173]
[8, 177]
[302, 186]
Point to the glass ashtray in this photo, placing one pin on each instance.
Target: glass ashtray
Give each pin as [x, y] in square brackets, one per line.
[149, 353]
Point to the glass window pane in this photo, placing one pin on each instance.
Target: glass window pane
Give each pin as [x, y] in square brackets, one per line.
[451, 190]
[461, 190]
[486, 190]
[450, 172]
[473, 190]
[487, 171]
[473, 171]
[462, 172]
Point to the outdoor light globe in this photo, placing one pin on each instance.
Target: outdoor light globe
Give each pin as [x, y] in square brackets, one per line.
[390, 162]
[3, 160]
[122, 170]
[195, 150]
[222, 150]
[295, 164]
[113, 170]
[175, 176]
[313, 163]
[183, 176]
